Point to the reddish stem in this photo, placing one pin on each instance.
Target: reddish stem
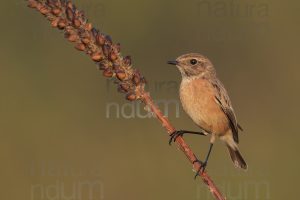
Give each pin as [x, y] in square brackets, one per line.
[184, 147]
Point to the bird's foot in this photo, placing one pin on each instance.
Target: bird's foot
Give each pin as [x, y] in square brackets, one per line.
[201, 168]
[176, 134]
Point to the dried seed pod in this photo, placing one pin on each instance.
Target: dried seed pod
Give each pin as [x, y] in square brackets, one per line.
[32, 3]
[124, 87]
[108, 40]
[136, 78]
[89, 51]
[76, 23]
[117, 48]
[86, 40]
[80, 47]
[100, 39]
[50, 3]
[97, 57]
[72, 37]
[88, 26]
[94, 33]
[62, 24]
[39, 6]
[127, 61]
[70, 14]
[51, 18]
[104, 64]
[106, 50]
[57, 3]
[121, 75]
[113, 56]
[108, 73]
[44, 10]
[54, 23]
[70, 5]
[131, 97]
[56, 11]
[80, 13]
[70, 30]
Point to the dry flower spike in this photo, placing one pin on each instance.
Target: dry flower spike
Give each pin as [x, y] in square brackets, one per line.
[65, 16]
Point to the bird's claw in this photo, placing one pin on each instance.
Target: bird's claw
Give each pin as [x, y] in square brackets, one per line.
[201, 168]
[175, 135]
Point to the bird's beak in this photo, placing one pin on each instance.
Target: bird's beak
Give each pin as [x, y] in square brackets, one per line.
[174, 62]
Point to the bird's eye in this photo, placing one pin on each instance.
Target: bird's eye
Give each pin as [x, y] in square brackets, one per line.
[193, 61]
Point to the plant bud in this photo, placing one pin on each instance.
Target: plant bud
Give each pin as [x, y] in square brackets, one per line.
[44, 10]
[57, 3]
[70, 5]
[69, 14]
[113, 56]
[108, 40]
[88, 26]
[39, 6]
[79, 13]
[72, 37]
[56, 11]
[54, 23]
[94, 33]
[131, 97]
[97, 57]
[104, 64]
[100, 39]
[32, 4]
[80, 47]
[62, 24]
[50, 3]
[136, 78]
[108, 73]
[106, 50]
[127, 60]
[117, 48]
[86, 40]
[76, 23]
[121, 75]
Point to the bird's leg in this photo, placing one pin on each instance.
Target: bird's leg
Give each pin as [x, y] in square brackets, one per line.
[176, 134]
[203, 164]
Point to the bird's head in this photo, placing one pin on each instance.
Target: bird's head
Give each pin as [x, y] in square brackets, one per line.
[193, 65]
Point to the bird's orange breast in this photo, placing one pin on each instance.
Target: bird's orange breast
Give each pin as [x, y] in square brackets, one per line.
[198, 100]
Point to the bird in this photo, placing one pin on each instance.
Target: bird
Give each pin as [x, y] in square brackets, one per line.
[206, 101]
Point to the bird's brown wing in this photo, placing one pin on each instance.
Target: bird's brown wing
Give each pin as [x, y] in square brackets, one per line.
[223, 100]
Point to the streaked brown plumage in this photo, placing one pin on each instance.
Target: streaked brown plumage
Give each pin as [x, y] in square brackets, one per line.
[206, 101]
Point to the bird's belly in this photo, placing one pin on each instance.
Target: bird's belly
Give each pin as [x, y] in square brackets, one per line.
[199, 103]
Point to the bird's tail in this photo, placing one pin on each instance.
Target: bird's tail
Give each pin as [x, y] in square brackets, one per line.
[237, 158]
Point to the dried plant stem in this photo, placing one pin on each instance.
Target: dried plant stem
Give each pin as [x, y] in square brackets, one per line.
[65, 16]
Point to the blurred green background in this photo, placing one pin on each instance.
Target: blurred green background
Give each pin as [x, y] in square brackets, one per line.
[67, 134]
